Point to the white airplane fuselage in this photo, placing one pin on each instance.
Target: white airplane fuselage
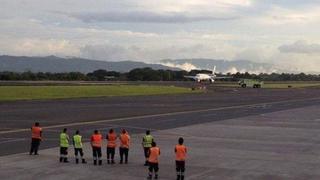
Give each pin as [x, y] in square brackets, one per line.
[204, 77]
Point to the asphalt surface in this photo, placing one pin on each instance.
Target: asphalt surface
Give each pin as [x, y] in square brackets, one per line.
[139, 113]
[281, 145]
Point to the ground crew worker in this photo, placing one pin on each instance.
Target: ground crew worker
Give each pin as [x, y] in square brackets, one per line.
[146, 143]
[77, 143]
[180, 151]
[111, 145]
[153, 161]
[36, 136]
[64, 144]
[96, 143]
[124, 146]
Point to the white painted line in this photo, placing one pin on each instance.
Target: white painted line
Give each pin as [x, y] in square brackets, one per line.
[155, 115]
[12, 140]
[9, 138]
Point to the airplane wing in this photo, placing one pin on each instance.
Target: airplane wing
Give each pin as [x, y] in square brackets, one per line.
[190, 77]
[226, 77]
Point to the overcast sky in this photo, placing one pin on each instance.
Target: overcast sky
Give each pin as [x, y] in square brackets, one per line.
[282, 32]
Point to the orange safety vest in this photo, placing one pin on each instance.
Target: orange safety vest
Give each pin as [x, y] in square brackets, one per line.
[181, 152]
[112, 137]
[36, 132]
[154, 155]
[96, 140]
[124, 140]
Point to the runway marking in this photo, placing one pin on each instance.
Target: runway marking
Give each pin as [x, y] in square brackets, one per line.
[12, 140]
[156, 115]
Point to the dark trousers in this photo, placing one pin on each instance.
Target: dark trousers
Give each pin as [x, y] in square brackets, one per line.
[153, 167]
[63, 151]
[180, 168]
[96, 152]
[146, 152]
[124, 152]
[35, 143]
[110, 153]
[78, 151]
[63, 154]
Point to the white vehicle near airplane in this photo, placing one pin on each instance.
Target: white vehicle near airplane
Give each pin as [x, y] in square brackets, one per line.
[200, 77]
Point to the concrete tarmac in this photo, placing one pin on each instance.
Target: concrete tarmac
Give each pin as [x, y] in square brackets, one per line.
[277, 145]
[139, 113]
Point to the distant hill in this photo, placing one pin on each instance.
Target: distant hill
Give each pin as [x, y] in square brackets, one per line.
[222, 65]
[57, 64]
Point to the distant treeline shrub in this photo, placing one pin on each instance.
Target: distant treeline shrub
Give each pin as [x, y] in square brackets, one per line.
[147, 74]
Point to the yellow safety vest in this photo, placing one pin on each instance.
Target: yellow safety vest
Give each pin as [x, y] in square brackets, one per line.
[77, 140]
[64, 142]
[147, 141]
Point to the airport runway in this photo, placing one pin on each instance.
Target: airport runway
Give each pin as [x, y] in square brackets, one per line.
[281, 145]
[139, 113]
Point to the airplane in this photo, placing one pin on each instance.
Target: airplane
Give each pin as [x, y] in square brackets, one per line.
[206, 77]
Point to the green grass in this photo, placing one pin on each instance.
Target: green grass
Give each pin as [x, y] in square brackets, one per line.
[277, 85]
[12, 93]
[283, 85]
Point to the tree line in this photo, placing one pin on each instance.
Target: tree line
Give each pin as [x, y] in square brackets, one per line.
[147, 74]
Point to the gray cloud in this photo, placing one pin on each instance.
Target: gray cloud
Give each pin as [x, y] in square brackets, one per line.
[145, 17]
[300, 47]
[151, 30]
[111, 52]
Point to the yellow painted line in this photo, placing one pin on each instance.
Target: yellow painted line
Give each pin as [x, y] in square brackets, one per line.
[154, 115]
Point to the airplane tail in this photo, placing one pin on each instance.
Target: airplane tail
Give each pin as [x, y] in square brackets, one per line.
[214, 70]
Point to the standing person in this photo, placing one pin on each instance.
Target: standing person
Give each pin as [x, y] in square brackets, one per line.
[36, 136]
[153, 161]
[64, 144]
[96, 143]
[146, 143]
[181, 152]
[124, 146]
[111, 145]
[77, 143]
